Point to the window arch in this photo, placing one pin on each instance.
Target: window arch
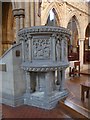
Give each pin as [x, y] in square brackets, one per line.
[52, 18]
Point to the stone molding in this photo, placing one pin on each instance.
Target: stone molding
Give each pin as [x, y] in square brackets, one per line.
[18, 12]
[39, 29]
[44, 69]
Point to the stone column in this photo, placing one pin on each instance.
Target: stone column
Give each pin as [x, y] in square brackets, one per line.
[28, 82]
[48, 84]
[59, 77]
[37, 83]
[32, 11]
[27, 14]
[64, 16]
[62, 79]
[37, 13]
[81, 51]
[16, 15]
[21, 13]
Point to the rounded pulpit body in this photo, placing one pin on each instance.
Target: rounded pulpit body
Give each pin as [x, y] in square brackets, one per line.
[44, 46]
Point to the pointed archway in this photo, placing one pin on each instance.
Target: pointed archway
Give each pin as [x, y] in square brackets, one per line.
[87, 45]
[73, 44]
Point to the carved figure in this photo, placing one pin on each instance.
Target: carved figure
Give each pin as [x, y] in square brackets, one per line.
[58, 50]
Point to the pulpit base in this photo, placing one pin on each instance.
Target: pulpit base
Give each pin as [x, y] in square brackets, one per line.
[39, 99]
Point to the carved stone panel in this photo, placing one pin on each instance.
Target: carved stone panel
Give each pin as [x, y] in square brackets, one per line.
[41, 48]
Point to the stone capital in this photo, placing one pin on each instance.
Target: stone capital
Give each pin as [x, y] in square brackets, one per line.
[18, 12]
[15, 12]
[81, 39]
[21, 12]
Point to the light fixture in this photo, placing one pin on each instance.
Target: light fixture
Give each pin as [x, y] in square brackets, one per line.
[86, 38]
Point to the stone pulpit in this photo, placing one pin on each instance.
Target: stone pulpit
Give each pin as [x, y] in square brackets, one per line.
[44, 60]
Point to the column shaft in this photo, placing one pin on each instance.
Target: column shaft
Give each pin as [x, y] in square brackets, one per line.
[37, 83]
[48, 83]
[59, 77]
[63, 79]
[37, 13]
[32, 14]
[17, 27]
[27, 14]
[81, 50]
[28, 82]
[21, 22]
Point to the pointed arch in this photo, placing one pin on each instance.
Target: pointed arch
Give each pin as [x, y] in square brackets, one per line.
[87, 45]
[53, 19]
[45, 12]
[87, 31]
[77, 19]
[73, 45]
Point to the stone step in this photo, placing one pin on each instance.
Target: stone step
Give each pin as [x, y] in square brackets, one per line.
[39, 100]
[74, 111]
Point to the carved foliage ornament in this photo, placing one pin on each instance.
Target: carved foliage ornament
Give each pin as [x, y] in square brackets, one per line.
[41, 48]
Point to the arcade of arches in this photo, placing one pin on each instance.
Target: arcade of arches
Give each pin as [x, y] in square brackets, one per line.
[71, 15]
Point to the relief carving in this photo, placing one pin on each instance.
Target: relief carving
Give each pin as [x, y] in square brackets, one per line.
[41, 49]
[58, 49]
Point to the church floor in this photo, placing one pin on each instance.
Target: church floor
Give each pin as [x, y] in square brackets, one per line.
[73, 101]
[74, 98]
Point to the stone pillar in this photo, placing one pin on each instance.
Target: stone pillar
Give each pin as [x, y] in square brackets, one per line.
[81, 51]
[37, 13]
[37, 83]
[28, 82]
[62, 79]
[32, 8]
[27, 14]
[64, 15]
[59, 78]
[21, 13]
[16, 15]
[48, 84]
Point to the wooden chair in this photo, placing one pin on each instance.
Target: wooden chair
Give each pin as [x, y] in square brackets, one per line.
[75, 70]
